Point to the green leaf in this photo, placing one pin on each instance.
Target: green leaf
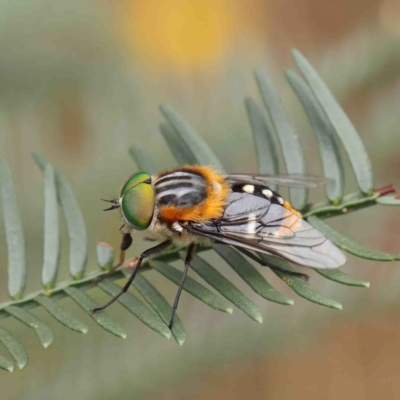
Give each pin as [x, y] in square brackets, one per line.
[181, 152]
[264, 139]
[340, 121]
[225, 287]
[250, 275]
[61, 315]
[338, 276]
[6, 364]
[143, 160]
[42, 330]
[325, 135]
[105, 256]
[51, 230]
[74, 219]
[14, 347]
[137, 308]
[289, 141]
[14, 235]
[348, 245]
[299, 285]
[158, 303]
[204, 155]
[101, 318]
[191, 286]
[389, 200]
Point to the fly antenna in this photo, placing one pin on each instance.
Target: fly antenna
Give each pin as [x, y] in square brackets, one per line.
[115, 204]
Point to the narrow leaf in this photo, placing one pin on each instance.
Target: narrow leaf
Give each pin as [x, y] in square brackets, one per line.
[196, 144]
[14, 235]
[264, 139]
[143, 160]
[299, 285]
[105, 256]
[14, 347]
[250, 275]
[74, 219]
[340, 277]
[6, 364]
[137, 308]
[181, 152]
[42, 330]
[101, 318]
[158, 303]
[289, 141]
[344, 128]
[325, 135]
[51, 230]
[226, 288]
[348, 245]
[61, 315]
[191, 286]
[389, 200]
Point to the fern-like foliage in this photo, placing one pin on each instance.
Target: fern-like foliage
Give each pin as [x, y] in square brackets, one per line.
[271, 132]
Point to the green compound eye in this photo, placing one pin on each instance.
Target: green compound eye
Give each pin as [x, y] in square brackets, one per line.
[133, 181]
[138, 201]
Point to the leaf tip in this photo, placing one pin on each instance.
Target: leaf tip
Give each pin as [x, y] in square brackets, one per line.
[166, 334]
[22, 365]
[229, 310]
[294, 51]
[123, 335]
[47, 343]
[84, 330]
[337, 306]
[10, 368]
[163, 108]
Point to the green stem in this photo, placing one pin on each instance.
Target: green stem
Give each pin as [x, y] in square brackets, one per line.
[85, 283]
[351, 202]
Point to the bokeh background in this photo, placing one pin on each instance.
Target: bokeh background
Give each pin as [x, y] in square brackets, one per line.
[81, 82]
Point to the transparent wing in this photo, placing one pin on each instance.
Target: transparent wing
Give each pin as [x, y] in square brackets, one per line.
[292, 180]
[254, 223]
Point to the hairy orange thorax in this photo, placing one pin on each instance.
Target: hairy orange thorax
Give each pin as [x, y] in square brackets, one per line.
[210, 208]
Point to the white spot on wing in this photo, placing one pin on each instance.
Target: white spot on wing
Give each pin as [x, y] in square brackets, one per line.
[248, 189]
[267, 193]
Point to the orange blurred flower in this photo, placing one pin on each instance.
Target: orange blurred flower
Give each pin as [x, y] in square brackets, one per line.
[181, 34]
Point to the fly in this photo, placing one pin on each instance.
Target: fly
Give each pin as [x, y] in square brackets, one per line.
[195, 204]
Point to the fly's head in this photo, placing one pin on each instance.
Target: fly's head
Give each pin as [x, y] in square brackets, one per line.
[137, 201]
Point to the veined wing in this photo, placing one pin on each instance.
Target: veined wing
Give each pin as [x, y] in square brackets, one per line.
[292, 180]
[254, 223]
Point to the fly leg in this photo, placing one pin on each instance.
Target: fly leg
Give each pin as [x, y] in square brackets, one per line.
[145, 254]
[125, 244]
[188, 259]
[273, 267]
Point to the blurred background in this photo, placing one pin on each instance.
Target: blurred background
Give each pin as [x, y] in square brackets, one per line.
[80, 82]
